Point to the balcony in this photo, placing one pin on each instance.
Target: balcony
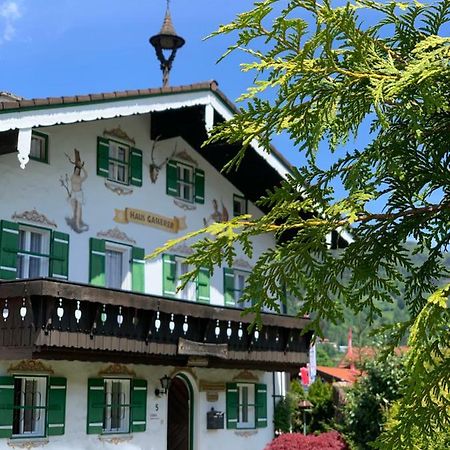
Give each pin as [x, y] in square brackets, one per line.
[49, 319]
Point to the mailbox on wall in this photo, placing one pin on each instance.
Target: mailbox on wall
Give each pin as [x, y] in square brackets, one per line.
[215, 420]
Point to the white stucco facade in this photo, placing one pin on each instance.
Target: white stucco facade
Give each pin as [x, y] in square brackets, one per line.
[39, 197]
[155, 437]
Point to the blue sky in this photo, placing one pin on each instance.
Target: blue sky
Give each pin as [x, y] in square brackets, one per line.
[65, 47]
[62, 47]
[68, 47]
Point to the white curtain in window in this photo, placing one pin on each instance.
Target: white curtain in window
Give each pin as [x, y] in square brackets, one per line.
[114, 269]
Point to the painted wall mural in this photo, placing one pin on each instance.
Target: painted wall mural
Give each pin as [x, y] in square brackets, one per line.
[116, 235]
[34, 216]
[216, 215]
[118, 133]
[75, 195]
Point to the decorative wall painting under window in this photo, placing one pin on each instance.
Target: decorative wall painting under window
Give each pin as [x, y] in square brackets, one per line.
[75, 195]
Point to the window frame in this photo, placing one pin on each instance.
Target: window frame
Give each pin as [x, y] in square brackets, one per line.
[43, 389]
[43, 138]
[117, 162]
[47, 234]
[240, 198]
[126, 251]
[179, 261]
[126, 428]
[236, 273]
[248, 425]
[182, 166]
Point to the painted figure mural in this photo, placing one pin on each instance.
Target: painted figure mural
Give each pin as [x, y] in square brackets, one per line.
[216, 215]
[75, 194]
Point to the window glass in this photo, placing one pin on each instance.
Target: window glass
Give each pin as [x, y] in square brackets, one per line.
[33, 253]
[116, 417]
[29, 406]
[246, 417]
[118, 162]
[38, 147]
[114, 269]
[240, 279]
[239, 205]
[185, 183]
[190, 290]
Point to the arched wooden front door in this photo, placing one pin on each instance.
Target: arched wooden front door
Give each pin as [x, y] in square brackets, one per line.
[178, 416]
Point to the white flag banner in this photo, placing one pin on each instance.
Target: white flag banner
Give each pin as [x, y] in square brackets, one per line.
[312, 364]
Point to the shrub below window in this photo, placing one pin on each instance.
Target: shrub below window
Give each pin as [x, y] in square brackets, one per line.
[296, 441]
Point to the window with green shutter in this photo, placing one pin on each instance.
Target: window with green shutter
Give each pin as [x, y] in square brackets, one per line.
[59, 255]
[97, 262]
[185, 182]
[116, 405]
[169, 275]
[9, 245]
[56, 409]
[112, 263]
[261, 405]
[119, 162]
[32, 406]
[96, 405]
[233, 287]
[139, 405]
[174, 267]
[203, 285]
[6, 406]
[246, 405]
[232, 405]
[138, 269]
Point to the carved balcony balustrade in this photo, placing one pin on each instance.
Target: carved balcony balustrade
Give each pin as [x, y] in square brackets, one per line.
[59, 320]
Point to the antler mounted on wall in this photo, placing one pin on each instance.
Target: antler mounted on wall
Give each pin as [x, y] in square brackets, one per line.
[156, 168]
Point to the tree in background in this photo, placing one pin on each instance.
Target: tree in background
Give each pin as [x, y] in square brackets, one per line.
[320, 394]
[323, 74]
[370, 398]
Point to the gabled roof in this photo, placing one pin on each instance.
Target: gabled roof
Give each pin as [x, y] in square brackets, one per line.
[48, 111]
[331, 374]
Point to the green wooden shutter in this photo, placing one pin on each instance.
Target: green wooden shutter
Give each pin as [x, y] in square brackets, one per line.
[96, 405]
[172, 178]
[56, 409]
[199, 186]
[6, 406]
[102, 157]
[203, 285]
[138, 269]
[261, 405]
[9, 244]
[97, 262]
[228, 286]
[139, 405]
[136, 167]
[169, 275]
[59, 256]
[232, 405]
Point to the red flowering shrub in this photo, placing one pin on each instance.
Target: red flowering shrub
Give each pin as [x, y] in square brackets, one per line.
[296, 441]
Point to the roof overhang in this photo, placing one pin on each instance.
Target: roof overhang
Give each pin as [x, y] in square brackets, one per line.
[28, 114]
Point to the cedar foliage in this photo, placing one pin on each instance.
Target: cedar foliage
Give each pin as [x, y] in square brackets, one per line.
[321, 72]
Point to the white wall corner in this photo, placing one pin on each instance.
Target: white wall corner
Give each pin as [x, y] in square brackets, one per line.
[24, 146]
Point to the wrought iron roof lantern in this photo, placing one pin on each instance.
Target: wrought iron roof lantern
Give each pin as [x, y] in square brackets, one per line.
[167, 39]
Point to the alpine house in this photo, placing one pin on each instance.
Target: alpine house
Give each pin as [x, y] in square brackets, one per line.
[97, 345]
